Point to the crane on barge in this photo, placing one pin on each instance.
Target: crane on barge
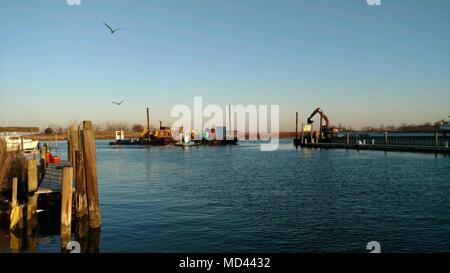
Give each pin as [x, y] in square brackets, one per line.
[325, 131]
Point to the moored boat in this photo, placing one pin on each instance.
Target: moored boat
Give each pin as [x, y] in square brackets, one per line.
[17, 143]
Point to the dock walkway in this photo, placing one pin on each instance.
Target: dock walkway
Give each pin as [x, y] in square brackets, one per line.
[51, 183]
[378, 147]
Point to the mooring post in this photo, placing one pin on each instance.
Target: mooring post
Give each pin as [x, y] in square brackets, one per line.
[32, 176]
[17, 211]
[66, 205]
[32, 187]
[347, 141]
[385, 137]
[90, 170]
[74, 145]
[43, 153]
[14, 201]
[296, 126]
[81, 196]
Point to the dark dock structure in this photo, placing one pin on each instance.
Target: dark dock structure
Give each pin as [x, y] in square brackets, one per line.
[58, 197]
[436, 142]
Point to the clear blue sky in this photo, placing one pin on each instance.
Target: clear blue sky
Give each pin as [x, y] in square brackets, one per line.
[364, 65]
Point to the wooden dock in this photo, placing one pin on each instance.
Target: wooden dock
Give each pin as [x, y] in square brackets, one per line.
[376, 147]
[67, 190]
[51, 182]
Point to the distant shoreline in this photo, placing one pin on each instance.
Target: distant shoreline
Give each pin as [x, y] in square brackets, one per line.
[129, 134]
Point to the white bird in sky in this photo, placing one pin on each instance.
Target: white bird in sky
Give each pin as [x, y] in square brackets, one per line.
[118, 103]
[111, 29]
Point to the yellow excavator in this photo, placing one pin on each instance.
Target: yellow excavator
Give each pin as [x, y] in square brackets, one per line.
[325, 131]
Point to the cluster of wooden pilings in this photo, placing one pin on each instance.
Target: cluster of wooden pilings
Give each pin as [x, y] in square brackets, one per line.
[81, 154]
[81, 201]
[24, 201]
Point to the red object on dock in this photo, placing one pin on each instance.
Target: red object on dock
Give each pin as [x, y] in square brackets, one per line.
[55, 160]
[48, 157]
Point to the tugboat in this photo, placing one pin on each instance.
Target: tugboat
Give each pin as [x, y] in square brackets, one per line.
[186, 142]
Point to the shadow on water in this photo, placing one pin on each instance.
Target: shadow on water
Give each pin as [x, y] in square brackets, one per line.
[41, 228]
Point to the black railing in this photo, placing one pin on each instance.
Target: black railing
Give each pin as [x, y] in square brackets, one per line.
[392, 140]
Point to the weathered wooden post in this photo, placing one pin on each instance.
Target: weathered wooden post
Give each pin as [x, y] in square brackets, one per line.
[296, 126]
[90, 170]
[347, 136]
[14, 201]
[66, 205]
[16, 216]
[32, 176]
[73, 145]
[32, 187]
[385, 137]
[44, 151]
[81, 196]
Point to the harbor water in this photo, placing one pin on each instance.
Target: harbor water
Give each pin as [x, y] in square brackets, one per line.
[239, 199]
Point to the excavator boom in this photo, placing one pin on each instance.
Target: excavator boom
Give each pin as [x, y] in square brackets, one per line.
[322, 114]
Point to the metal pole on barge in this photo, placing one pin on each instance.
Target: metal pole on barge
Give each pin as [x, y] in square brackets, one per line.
[148, 120]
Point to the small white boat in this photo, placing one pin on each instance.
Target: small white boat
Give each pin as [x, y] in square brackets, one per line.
[17, 143]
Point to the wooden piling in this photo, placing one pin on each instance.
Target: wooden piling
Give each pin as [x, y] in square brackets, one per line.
[73, 144]
[43, 153]
[14, 201]
[90, 170]
[81, 196]
[32, 176]
[16, 216]
[66, 205]
[385, 137]
[296, 125]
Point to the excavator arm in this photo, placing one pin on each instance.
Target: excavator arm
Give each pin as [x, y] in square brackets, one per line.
[322, 114]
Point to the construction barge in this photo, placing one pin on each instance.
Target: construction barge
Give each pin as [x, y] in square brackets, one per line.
[162, 136]
[328, 137]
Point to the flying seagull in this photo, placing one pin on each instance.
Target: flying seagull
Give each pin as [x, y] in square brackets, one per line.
[111, 29]
[118, 103]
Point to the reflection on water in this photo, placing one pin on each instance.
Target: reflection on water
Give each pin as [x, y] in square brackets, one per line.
[237, 198]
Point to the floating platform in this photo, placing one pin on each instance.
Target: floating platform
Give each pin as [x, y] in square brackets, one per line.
[377, 147]
[170, 141]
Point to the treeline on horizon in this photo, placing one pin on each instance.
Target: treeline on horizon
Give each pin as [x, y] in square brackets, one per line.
[107, 126]
[115, 126]
[403, 127]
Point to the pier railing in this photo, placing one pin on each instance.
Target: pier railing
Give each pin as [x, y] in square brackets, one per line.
[393, 140]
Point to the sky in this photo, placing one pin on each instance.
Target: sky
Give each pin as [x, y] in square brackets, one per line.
[363, 65]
